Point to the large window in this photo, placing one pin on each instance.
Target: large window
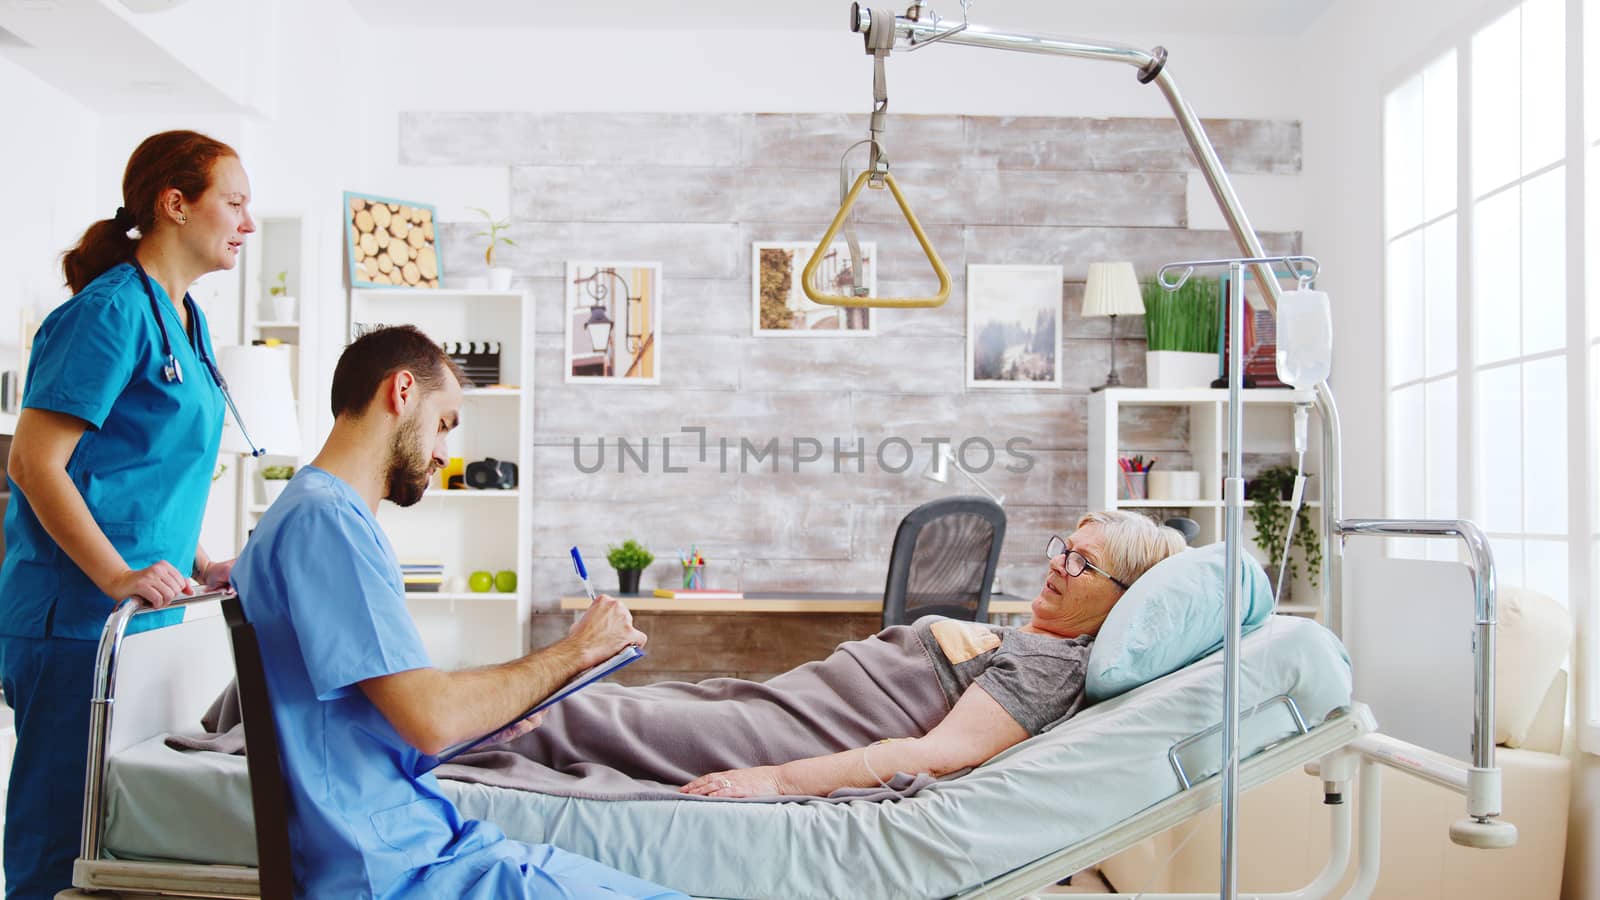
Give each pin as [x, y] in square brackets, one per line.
[1481, 162]
[1420, 169]
[1519, 294]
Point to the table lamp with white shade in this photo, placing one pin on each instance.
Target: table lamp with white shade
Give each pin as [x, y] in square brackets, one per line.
[263, 396]
[1113, 290]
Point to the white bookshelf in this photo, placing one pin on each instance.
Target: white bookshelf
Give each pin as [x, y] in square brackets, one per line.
[284, 242]
[1268, 429]
[470, 530]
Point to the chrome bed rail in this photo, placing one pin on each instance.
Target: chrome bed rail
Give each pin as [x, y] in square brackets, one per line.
[103, 700]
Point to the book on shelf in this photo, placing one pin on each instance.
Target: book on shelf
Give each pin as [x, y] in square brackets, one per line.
[679, 594]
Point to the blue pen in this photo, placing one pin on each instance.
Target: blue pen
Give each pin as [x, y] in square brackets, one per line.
[583, 573]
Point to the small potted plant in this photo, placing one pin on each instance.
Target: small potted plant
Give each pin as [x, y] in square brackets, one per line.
[1271, 490]
[274, 479]
[1181, 329]
[282, 301]
[499, 276]
[629, 560]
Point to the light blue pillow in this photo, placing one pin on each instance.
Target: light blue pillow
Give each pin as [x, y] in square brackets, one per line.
[1170, 617]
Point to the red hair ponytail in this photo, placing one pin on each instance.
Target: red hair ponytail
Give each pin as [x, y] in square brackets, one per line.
[171, 159]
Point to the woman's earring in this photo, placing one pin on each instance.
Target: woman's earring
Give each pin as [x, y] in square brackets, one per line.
[183, 220]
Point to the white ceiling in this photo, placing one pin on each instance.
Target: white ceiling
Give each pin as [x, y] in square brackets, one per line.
[97, 52]
[1275, 17]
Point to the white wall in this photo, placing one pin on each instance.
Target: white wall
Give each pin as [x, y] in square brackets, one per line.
[47, 177]
[794, 71]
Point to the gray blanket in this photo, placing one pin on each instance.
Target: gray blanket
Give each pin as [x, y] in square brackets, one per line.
[611, 742]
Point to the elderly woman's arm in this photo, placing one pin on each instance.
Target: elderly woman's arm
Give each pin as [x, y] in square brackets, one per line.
[974, 731]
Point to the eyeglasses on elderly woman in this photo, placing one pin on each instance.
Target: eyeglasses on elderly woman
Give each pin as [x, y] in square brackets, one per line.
[1077, 562]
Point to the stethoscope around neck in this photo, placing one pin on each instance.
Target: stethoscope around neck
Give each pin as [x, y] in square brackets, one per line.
[172, 371]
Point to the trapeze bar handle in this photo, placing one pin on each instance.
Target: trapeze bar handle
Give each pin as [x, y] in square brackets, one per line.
[876, 302]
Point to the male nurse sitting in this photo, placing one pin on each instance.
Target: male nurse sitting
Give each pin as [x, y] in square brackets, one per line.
[358, 705]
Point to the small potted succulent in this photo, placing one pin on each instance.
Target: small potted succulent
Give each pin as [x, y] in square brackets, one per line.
[274, 479]
[629, 560]
[499, 276]
[283, 302]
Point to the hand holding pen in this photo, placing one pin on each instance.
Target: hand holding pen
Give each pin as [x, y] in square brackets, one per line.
[605, 628]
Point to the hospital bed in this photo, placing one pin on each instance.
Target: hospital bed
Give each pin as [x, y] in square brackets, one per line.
[164, 822]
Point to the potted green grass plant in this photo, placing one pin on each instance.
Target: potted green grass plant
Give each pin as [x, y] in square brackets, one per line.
[1181, 331]
[629, 560]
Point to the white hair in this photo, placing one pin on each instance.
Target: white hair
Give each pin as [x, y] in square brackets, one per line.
[1132, 543]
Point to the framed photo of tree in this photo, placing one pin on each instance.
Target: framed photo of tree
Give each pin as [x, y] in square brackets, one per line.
[779, 305]
[1014, 326]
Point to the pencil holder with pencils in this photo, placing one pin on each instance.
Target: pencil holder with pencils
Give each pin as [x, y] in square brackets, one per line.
[1134, 474]
[694, 570]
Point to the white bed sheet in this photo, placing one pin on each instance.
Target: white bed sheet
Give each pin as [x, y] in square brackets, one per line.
[1104, 765]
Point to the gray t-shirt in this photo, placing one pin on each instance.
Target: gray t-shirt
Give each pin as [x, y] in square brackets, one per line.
[1036, 678]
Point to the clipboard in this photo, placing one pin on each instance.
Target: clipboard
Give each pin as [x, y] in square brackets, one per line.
[625, 656]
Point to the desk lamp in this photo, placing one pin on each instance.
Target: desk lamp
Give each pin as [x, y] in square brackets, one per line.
[944, 459]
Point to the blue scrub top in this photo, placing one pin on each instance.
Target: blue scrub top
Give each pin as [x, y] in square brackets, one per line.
[143, 466]
[321, 584]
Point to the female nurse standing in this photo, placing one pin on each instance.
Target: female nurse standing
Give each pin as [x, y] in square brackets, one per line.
[110, 469]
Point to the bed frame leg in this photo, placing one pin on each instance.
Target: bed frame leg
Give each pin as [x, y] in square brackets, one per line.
[1371, 839]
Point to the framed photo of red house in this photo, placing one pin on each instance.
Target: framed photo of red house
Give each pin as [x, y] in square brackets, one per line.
[1260, 332]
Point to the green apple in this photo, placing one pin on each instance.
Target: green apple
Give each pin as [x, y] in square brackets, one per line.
[481, 582]
[505, 581]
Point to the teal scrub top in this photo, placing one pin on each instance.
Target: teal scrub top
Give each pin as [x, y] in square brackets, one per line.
[144, 464]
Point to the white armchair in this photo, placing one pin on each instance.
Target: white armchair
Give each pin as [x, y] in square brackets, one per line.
[1283, 831]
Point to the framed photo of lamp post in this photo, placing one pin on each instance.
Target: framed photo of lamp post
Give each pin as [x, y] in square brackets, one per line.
[391, 243]
[1013, 326]
[613, 323]
[779, 305]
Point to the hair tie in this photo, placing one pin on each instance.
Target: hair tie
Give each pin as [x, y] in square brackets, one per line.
[123, 219]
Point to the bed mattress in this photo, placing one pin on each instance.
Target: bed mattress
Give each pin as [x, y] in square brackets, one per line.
[1106, 764]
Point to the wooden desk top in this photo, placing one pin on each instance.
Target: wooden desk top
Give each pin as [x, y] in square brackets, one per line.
[782, 602]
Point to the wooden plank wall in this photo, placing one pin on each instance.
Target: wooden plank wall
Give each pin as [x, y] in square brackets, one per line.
[693, 191]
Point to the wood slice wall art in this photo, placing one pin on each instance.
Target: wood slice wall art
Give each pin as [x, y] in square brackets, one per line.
[391, 242]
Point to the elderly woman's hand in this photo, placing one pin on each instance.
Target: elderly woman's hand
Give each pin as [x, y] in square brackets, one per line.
[762, 781]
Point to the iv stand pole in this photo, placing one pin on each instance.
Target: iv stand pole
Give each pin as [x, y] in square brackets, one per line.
[1233, 534]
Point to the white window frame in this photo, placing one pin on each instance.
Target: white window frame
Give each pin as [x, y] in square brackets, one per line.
[1581, 350]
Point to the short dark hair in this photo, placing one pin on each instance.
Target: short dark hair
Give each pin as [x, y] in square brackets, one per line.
[375, 356]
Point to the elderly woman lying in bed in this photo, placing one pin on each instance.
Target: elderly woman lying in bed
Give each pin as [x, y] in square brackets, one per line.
[934, 697]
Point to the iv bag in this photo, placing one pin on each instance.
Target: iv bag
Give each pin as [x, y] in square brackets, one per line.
[1305, 338]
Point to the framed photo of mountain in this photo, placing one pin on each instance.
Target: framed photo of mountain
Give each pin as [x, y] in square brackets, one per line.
[1013, 326]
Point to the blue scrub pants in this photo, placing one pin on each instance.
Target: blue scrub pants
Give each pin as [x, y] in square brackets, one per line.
[512, 870]
[48, 682]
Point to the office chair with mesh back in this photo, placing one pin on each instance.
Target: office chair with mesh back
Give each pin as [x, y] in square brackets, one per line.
[943, 562]
[269, 792]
